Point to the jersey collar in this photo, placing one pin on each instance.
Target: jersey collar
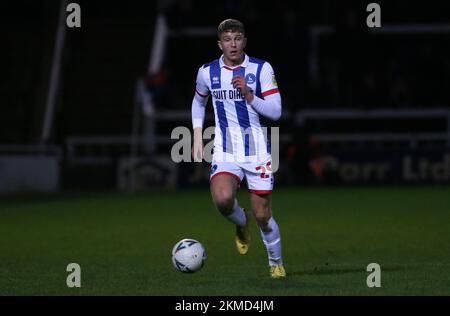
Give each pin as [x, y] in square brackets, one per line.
[244, 63]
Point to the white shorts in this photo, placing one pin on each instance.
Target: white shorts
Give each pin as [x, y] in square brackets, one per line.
[259, 175]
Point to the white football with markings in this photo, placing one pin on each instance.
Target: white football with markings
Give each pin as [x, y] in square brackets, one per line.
[188, 255]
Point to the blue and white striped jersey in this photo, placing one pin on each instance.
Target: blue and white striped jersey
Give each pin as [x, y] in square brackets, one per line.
[239, 132]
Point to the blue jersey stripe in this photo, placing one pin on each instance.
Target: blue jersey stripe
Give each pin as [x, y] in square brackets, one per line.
[244, 120]
[258, 75]
[244, 123]
[214, 75]
[223, 124]
[258, 93]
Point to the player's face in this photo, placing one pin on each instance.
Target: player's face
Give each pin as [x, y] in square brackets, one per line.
[232, 45]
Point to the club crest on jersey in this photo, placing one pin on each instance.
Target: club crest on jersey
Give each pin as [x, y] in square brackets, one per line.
[250, 78]
[274, 80]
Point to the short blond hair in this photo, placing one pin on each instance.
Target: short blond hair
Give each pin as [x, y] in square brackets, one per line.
[230, 25]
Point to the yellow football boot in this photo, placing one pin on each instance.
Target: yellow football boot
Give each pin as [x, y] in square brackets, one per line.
[242, 237]
[277, 272]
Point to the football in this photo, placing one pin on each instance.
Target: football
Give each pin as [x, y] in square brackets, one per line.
[188, 255]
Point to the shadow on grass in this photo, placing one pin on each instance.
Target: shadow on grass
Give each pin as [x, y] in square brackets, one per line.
[341, 270]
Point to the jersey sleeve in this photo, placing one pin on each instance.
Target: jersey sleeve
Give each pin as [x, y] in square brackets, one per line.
[200, 100]
[201, 88]
[268, 81]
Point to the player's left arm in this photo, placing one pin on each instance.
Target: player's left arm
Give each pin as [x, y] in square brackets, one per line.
[268, 106]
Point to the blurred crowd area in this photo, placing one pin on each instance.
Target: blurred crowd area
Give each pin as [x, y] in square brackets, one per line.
[346, 66]
[323, 53]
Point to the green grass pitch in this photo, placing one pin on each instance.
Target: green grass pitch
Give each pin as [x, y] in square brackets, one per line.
[123, 243]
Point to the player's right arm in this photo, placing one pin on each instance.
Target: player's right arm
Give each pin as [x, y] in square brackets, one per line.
[198, 115]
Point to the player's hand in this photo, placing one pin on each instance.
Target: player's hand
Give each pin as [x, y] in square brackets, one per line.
[197, 151]
[239, 82]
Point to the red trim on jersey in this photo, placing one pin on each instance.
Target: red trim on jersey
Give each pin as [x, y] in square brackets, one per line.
[228, 68]
[228, 173]
[260, 191]
[200, 94]
[269, 92]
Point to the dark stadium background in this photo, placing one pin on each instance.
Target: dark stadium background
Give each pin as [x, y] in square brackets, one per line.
[355, 69]
[365, 130]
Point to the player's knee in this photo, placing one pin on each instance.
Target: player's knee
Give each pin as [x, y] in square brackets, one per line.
[224, 201]
[262, 218]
